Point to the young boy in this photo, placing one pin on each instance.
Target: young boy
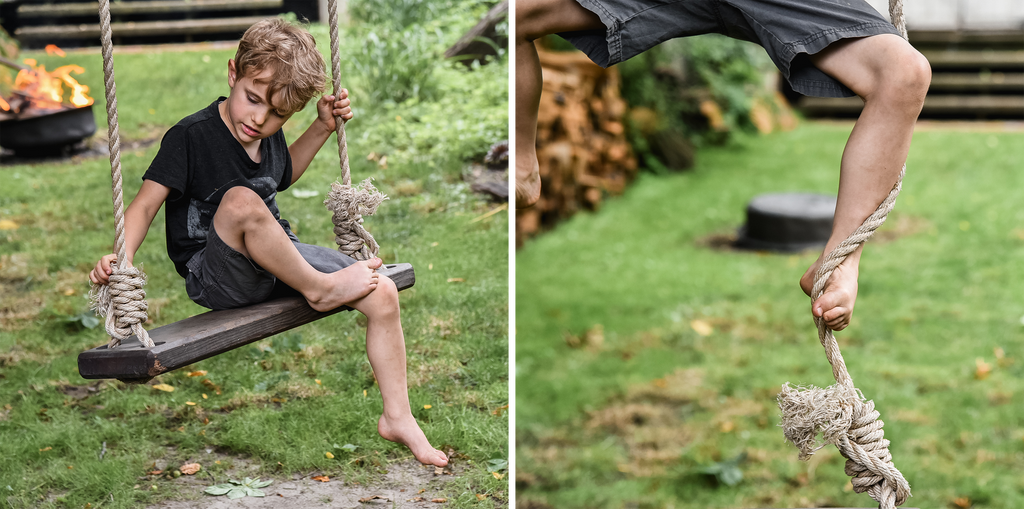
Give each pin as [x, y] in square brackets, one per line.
[219, 171]
[823, 47]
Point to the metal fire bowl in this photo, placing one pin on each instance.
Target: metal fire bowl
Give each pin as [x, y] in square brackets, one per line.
[787, 222]
[49, 132]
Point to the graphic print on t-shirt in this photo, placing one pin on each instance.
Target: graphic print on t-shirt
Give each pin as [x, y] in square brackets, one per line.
[200, 212]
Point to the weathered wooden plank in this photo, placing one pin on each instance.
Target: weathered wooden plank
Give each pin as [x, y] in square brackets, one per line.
[202, 336]
[154, 7]
[141, 28]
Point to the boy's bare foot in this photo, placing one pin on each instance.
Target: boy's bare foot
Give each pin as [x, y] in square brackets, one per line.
[346, 285]
[840, 293]
[406, 431]
[527, 182]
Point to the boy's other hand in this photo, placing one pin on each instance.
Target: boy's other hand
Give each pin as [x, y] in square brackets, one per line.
[100, 274]
[329, 107]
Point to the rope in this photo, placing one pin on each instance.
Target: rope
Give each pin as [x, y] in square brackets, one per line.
[348, 203]
[123, 301]
[840, 413]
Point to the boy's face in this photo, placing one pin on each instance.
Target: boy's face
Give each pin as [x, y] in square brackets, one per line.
[249, 114]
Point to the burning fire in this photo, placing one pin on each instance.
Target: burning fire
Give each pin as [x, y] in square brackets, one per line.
[44, 90]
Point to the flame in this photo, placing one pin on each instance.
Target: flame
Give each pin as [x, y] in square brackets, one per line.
[45, 90]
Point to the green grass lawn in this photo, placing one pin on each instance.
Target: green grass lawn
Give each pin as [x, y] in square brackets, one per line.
[284, 402]
[647, 360]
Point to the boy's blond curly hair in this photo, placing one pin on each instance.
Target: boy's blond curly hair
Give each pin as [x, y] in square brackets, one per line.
[290, 53]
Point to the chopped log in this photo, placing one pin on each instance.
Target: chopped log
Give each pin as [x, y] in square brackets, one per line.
[581, 145]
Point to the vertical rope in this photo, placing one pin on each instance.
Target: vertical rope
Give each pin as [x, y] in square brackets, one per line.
[348, 203]
[123, 300]
[840, 413]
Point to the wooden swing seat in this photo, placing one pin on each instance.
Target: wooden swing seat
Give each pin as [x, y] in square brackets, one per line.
[202, 336]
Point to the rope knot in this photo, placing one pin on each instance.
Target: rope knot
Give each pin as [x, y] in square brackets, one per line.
[123, 303]
[843, 418]
[349, 204]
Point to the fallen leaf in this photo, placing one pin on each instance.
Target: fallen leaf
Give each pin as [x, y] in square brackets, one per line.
[364, 393]
[962, 502]
[190, 403]
[497, 475]
[439, 500]
[701, 327]
[417, 499]
[456, 280]
[982, 369]
[437, 471]
[374, 497]
[500, 410]
[69, 292]
[163, 387]
[318, 381]
[481, 497]
[428, 407]
[190, 468]
[205, 396]
[201, 372]
[154, 472]
[7, 224]
[727, 426]
[44, 449]
[321, 478]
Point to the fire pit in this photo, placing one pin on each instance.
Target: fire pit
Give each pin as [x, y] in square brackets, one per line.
[36, 119]
[46, 132]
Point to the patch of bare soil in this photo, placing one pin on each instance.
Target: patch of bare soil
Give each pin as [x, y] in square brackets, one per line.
[406, 484]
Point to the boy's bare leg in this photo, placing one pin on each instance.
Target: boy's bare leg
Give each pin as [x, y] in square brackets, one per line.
[385, 347]
[892, 78]
[245, 224]
[535, 19]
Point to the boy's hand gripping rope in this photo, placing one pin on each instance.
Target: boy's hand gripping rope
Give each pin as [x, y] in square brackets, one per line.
[123, 301]
[840, 413]
[348, 203]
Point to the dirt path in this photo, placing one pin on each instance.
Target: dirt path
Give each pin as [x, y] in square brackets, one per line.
[406, 485]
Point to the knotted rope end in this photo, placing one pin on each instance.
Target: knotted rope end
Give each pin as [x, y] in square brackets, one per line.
[122, 302]
[349, 204]
[811, 411]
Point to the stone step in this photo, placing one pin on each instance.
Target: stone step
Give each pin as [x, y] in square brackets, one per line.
[976, 59]
[154, 7]
[979, 82]
[140, 28]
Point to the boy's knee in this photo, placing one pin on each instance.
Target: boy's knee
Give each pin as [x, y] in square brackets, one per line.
[385, 297]
[908, 77]
[240, 203]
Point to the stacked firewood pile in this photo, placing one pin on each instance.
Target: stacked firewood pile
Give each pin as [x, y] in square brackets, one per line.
[581, 143]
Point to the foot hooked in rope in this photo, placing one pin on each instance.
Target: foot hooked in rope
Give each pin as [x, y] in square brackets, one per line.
[527, 181]
[839, 295]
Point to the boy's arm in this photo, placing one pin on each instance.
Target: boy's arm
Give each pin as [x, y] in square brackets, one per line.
[137, 220]
[305, 148]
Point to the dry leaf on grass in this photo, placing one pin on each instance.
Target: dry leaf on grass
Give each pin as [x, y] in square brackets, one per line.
[190, 468]
[163, 387]
[701, 327]
[201, 372]
[321, 478]
[439, 500]
[982, 369]
[372, 498]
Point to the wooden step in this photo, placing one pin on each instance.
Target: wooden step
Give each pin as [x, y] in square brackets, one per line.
[933, 105]
[154, 7]
[140, 28]
[987, 82]
[921, 38]
[961, 59]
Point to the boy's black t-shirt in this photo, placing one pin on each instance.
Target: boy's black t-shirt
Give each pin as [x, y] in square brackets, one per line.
[199, 160]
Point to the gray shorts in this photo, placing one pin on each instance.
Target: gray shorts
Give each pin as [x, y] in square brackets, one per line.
[221, 278]
[789, 30]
